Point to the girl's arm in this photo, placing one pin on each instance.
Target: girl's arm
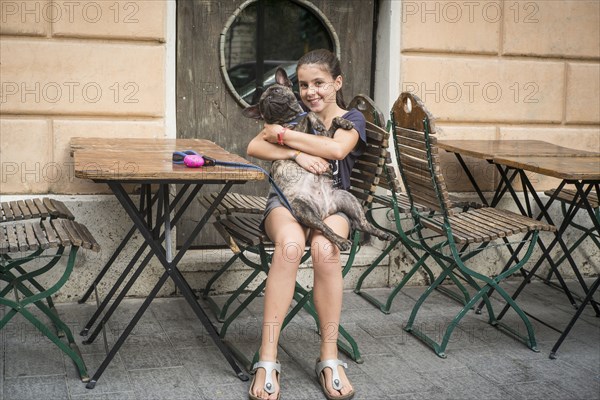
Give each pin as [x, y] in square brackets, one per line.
[336, 148]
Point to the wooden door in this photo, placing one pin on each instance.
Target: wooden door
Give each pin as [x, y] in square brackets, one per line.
[206, 108]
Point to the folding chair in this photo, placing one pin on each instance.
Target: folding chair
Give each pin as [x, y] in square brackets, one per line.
[24, 241]
[242, 234]
[391, 198]
[36, 208]
[420, 169]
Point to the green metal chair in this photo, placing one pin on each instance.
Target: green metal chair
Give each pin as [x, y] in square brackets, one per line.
[29, 209]
[397, 206]
[419, 165]
[240, 230]
[32, 242]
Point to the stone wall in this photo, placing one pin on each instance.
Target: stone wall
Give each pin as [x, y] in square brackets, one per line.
[75, 68]
[505, 70]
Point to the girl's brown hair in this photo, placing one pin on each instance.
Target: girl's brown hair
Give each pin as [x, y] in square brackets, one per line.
[330, 61]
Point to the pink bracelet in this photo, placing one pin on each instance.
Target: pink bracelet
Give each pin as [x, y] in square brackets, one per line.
[280, 136]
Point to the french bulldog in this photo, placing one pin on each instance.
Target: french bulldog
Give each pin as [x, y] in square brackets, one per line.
[311, 197]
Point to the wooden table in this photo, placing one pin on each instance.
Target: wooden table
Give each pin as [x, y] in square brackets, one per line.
[576, 167]
[490, 149]
[147, 162]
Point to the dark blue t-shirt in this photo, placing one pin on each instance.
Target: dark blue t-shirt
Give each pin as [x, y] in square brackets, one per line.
[342, 169]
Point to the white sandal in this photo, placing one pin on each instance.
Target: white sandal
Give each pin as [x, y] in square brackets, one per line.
[336, 381]
[269, 387]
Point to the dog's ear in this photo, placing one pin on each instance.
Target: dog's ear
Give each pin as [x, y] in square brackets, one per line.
[252, 112]
[282, 78]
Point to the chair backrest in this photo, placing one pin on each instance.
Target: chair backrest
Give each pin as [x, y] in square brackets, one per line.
[368, 169]
[417, 153]
[376, 121]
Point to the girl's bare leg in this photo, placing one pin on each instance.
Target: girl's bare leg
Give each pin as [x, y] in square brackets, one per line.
[289, 238]
[327, 293]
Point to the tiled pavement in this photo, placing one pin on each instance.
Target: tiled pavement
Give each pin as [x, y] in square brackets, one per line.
[170, 356]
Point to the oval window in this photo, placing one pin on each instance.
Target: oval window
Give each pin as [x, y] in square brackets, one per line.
[265, 34]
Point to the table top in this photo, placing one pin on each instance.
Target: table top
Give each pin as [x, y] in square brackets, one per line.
[108, 159]
[562, 167]
[489, 149]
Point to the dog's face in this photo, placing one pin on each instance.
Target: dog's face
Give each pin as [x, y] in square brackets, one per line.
[278, 104]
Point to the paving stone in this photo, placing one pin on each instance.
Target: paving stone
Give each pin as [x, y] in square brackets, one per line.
[106, 396]
[466, 384]
[385, 372]
[183, 333]
[171, 356]
[36, 388]
[207, 366]
[164, 384]
[225, 391]
[23, 360]
[114, 379]
[537, 391]
[169, 309]
[144, 357]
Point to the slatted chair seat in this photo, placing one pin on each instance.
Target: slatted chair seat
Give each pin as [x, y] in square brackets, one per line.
[235, 203]
[568, 195]
[485, 224]
[25, 240]
[33, 208]
[33, 235]
[420, 168]
[238, 219]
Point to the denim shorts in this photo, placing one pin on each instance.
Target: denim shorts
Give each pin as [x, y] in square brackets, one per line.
[273, 202]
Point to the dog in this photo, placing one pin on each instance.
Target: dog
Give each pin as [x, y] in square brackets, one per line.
[311, 197]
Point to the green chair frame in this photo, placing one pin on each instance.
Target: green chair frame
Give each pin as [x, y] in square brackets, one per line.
[418, 162]
[34, 241]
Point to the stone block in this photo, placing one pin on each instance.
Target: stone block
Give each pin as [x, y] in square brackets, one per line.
[27, 18]
[461, 89]
[484, 172]
[30, 169]
[119, 19]
[76, 78]
[449, 26]
[552, 28]
[64, 130]
[583, 86]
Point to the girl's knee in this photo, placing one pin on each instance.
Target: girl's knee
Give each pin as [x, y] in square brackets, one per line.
[289, 250]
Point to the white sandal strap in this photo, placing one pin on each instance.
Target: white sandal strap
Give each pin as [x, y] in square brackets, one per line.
[336, 382]
[269, 367]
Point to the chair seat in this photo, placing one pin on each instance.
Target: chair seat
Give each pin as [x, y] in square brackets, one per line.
[244, 230]
[33, 235]
[567, 196]
[33, 208]
[235, 203]
[485, 224]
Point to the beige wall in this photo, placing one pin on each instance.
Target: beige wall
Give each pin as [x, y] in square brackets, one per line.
[75, 68]
[505, 69]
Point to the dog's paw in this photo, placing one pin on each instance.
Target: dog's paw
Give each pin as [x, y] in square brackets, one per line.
[343, 123]
[387, 237]
[344, 245]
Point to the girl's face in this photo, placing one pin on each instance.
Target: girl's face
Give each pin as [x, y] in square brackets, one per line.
[317, 87]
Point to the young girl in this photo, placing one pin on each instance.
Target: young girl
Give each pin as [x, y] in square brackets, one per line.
[321, 81]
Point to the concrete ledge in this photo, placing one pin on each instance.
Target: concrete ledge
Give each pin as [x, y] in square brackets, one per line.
[107, 221]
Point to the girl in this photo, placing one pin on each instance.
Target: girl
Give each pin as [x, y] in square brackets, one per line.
[320, 80]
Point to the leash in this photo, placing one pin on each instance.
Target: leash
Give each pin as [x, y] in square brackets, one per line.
[278, 191]
[194, 160]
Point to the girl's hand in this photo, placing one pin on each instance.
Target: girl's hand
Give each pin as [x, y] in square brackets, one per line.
[313, 164]
[270, 131]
